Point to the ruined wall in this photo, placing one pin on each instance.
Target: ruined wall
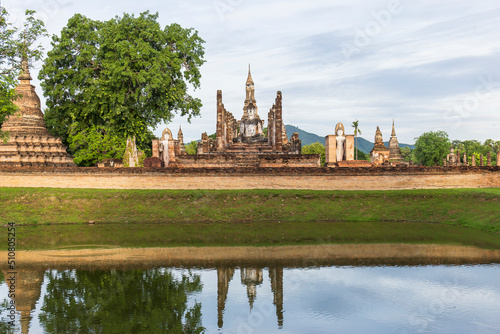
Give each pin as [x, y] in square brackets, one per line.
[226, 126]
[380, 178]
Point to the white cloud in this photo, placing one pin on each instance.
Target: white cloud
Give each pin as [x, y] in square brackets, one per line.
[428, 55]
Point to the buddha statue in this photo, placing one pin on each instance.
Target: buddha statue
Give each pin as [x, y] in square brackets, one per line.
[340, 143]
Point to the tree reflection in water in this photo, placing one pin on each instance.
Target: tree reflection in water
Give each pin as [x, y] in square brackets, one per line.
[135, 301]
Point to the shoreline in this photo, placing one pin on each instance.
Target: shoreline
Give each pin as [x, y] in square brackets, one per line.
[288, 256]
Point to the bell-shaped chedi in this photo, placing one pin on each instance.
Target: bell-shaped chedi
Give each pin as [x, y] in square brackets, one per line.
[30, 143]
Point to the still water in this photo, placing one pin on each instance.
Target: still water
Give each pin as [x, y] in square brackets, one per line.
[258, 299]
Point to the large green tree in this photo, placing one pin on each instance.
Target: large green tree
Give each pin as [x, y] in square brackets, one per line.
[124, 76]
[431, 148]
[406, 153]
[16, 44]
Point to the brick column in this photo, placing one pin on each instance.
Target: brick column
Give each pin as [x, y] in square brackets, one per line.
[278, 123]
[220, 121]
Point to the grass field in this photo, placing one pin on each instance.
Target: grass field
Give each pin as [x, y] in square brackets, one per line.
[141, 218]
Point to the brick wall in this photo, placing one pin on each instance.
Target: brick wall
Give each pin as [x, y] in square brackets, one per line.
[380, 178]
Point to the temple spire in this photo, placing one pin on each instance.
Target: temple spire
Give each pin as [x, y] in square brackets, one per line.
[25, 75]
[394, 150]
[249, 79]
[250, 105]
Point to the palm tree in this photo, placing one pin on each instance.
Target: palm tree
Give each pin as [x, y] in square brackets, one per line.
[357, 131]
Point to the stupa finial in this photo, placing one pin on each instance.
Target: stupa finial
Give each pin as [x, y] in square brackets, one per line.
[25, 75]
[249, 79]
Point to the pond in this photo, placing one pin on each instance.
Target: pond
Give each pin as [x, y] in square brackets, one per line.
[356, 295]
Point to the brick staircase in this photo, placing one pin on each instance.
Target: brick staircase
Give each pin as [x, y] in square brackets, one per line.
[249, 148]
[246, 160]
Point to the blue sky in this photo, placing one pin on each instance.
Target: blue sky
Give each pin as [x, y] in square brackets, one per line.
[430, 65]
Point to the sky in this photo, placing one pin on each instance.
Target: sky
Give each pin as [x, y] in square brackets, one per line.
[429, 65]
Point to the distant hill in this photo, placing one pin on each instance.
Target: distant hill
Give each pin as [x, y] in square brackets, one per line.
[310, 138]
[306, 137]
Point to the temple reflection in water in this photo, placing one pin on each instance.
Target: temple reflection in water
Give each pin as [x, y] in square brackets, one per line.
[29, 285]
[251, 278]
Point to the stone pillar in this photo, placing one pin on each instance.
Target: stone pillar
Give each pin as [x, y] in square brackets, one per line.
[498, 158]
[180, 139]
[271, 127]
[458, 157]
[349, 147]
[488, 163]
[465, 159]
[131, 156]
[330, 150]
[220, 122]
[481, 160]
[444, 162]
[473, 160]
[278, 123]
[155, 148]
[204, 142]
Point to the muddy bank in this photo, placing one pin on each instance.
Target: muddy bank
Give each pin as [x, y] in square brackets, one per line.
[288, 256]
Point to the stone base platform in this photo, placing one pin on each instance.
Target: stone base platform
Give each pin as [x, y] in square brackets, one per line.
[248, 160]
[34, 151]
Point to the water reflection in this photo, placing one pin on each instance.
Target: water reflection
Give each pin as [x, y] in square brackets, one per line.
[251, 278]
[27, 289]
[113, 301]
[264, 296]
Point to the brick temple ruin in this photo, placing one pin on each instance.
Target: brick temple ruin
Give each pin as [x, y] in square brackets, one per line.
[30, 143]
[238, 143]
[339, 150]
[379, 155]
[459, 158]
[382, 155]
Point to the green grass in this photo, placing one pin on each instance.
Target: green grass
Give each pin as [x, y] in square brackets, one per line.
[136, 218]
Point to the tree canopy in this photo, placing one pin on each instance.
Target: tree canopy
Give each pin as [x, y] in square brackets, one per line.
[123, 77]
[315, 148]
[191, 148]
[431, 148]
[474, 147]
